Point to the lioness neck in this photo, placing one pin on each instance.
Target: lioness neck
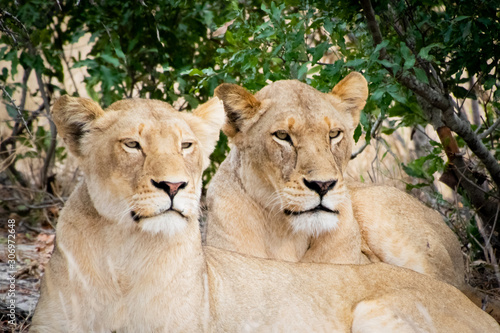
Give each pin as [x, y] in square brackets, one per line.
[269, 229]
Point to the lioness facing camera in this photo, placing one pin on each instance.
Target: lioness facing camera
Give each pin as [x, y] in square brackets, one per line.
[281, 191]
[129, 256]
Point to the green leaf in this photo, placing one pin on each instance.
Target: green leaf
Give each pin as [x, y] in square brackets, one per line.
[208, 71]
[276, 12]
[410, 187]
[328, 25]
[319, 51]
[466, 30]
[357, 133]
[388, 131]
[387, 63]
[302, 72]
[420, 74]
[424, 52]
[380, 46]
[377, 94]
[405, 51]
[110, 59]
[397, 96]
[460, 92]
[460, 18]
[193, 102]
[92, 93]
[264, 8]
[355, 63]
[409, 63]
[314, 69]
[496, 94]
[489, 82]
[12, 111]
[413, 170]
[229, 38]
[192, 72]
[119, 53]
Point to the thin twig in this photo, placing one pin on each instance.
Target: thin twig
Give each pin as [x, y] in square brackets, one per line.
[24, 92]
[474, 184]
[489, 130]
[17, 20]
[387, 148]
[12, 101]
[488, 247]
[494, 225]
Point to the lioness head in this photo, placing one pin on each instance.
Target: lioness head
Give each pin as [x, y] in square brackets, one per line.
[142, 159]
[294, 143]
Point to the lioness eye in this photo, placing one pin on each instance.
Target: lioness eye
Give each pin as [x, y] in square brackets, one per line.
[132, 144]
[186, 145]
[283, 135]
[334, 134]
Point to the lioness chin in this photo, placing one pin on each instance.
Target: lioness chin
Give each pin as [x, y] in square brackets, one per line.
[281, 191]
[129, 256]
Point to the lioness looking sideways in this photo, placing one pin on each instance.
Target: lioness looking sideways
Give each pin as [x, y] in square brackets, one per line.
[129, 257]
[281, 191]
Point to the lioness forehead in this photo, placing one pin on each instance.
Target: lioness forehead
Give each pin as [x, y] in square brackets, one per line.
[141, 114]
[295, 102]
[143, 107]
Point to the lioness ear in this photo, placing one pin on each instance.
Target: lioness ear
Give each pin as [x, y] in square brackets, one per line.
[351, 93]
[72, 116]
[239, 105]
[212, 115]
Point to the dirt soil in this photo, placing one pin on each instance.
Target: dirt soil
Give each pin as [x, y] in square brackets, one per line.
[33, 248]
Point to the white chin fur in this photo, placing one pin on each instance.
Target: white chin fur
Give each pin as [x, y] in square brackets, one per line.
[169, 223]
[314, 223]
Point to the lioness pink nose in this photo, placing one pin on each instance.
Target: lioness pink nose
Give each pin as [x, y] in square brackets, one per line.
[170, 188]
[321, 188]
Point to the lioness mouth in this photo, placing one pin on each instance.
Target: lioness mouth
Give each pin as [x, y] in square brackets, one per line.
[137, 218]
[315, 209]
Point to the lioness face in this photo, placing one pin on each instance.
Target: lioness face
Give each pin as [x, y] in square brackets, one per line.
[295, 143]
[142, 160]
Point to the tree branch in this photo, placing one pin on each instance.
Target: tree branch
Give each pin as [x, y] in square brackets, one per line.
[437, 99]
[12, 102]
[373, 25]
[489, 130]
[464, 130]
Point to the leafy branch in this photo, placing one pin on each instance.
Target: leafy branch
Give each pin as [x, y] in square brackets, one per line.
[441, 101]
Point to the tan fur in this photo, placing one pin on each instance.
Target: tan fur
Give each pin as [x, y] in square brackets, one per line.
[263, 178]
[111, 273]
